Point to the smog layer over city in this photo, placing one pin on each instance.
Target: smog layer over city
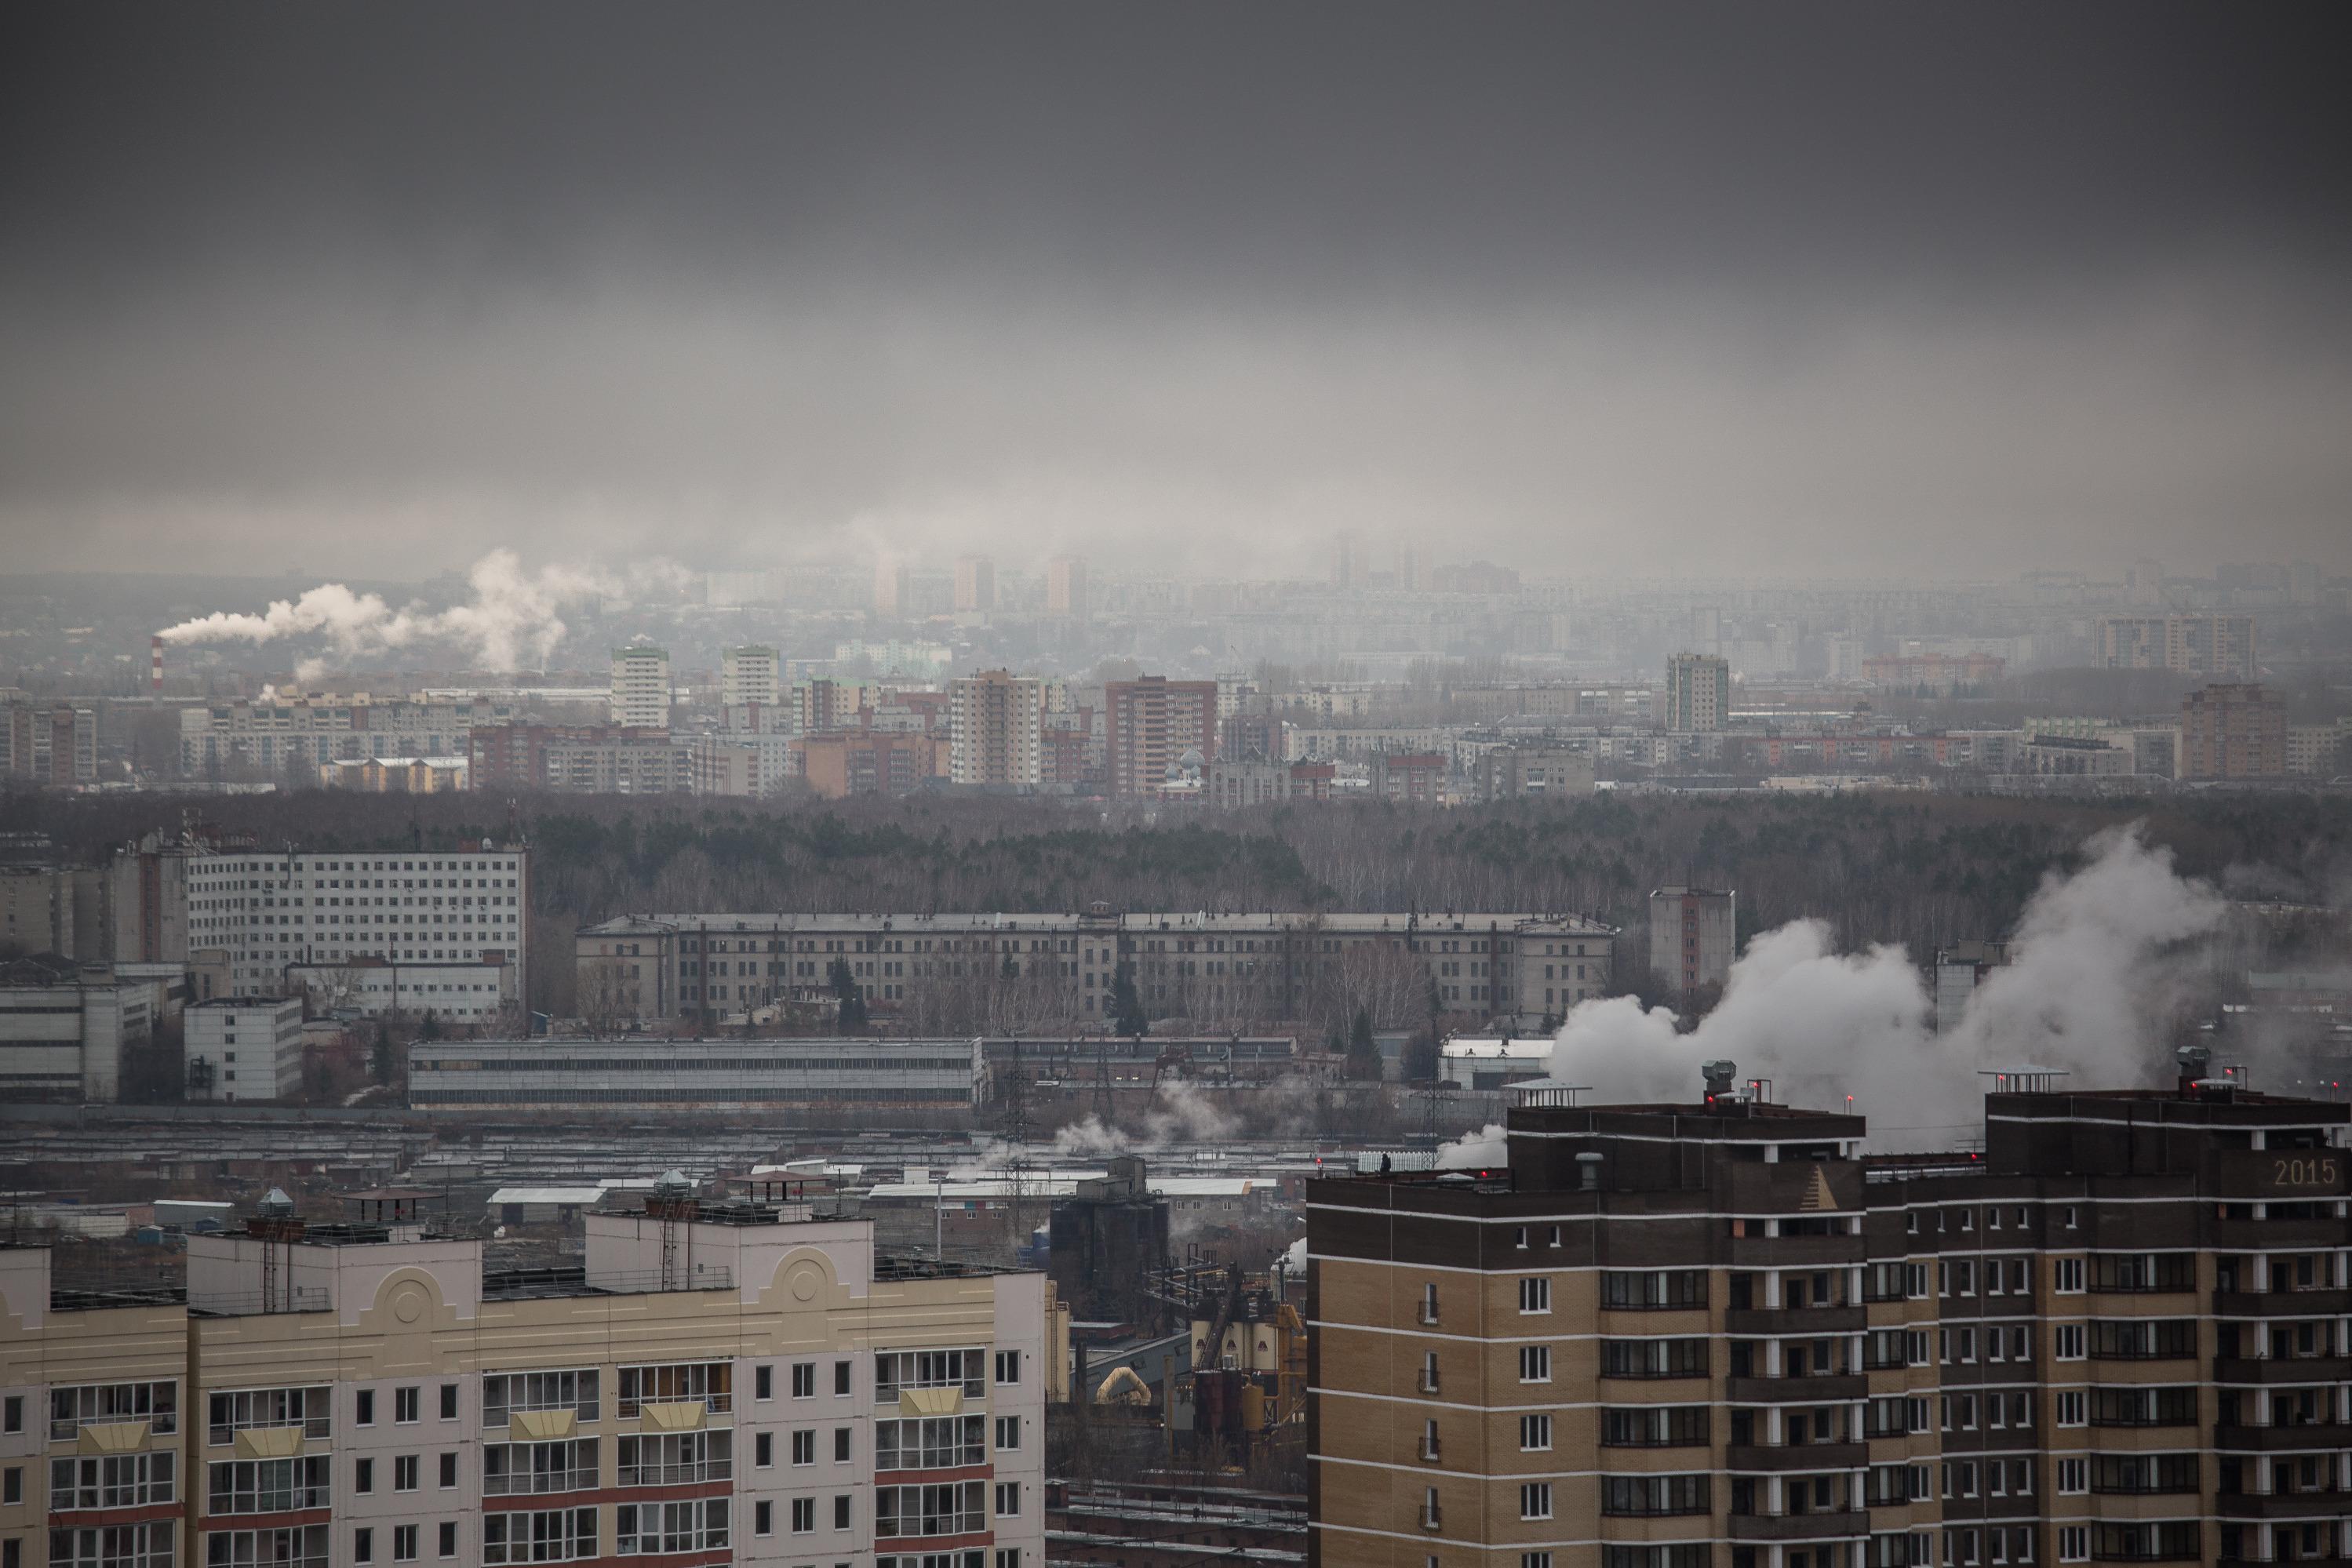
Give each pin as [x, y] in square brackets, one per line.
[1158, 786]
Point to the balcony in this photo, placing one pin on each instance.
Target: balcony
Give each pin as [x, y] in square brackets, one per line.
[2283, 1505]
[1826, 1524]
[1793, 1322]
[539, 1483]
[2332, 1436]
[2282, 1303]
[1775, 1456]
[1814, 1390]
[2290, 1370]
[1794, 1252]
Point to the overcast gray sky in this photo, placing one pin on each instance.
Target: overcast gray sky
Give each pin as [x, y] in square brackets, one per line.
[1851, 289]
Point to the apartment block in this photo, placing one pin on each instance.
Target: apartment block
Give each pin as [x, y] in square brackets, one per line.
[1698, 693]
[1717, 1335]
[271, 914]
[588, 758]
[243, 1048]
[54, 745]
[297, 732]
[1065, 587]
[718, 1381]
[975, 585]
[640, 698]
[1153, 723]
[2233, 731]
[751, 674]
[2223, 647]
[1694, 937]
[849, 763]
[996, 725]
[1262, 966]
[1535, 772]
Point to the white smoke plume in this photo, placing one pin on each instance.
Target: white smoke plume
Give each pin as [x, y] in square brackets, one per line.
[1485, 1149]
[1180, 1114]
[2085, 992]
[512, 622]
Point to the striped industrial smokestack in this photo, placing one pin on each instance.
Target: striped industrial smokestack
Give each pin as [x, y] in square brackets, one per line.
[155, 664]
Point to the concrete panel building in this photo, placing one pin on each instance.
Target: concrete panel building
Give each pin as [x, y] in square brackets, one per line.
[730, 1382]
[751, 674]
[1698, 693]
[243, 1048]
[2233, 731]
[2223, 647]
[1693, 939]
[640, 698]
[1151, 725]
[996, 722]
[65, 1029]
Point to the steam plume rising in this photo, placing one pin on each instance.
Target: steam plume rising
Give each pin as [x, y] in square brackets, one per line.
[2085, 992]
[512, 622]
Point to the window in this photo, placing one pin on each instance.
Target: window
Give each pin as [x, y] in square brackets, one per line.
[2066, 1276]
[763, 1381]
[2070, 1407]
[1429, 1372]
[804, 1380]
[1535, 1295]
[841, 1437]
[697, 1526]
[2073, 1476]
[1534, 1560]
[363, 1409]
[1535, 1500]
[1008, 1557]
[12, 1485]
[1654, 1358]
[531, 1469]
[841, 1379]
[1535, 1433]
[1653, 1289]
[1008, 1435]
[97, 1404]
[951, 1508]
[404, 1403]
[305, 1547]
[230, 1414]
[404, 1543]
[680, 1383]
[929, 1443]
[1429, 1302]
[270, 1486]
[363, 1476]
[763, 1517]
[763, 1449]
[1008, 1500]
[448, 1471]
[841, 1513]
[678, 1459]
[509, 1393]
[403, 1472]
[555, 1536]
[113, 1481]
[446, 1541]
[2066, 1342]
[804, 1515]
[1008, 1366]
[895, 1370]
[1653, 1494]
[2073, 1542]
[362, 1545]
[1535, 1364]
[11, 1414]
[805, 1446]
[1655, 1426]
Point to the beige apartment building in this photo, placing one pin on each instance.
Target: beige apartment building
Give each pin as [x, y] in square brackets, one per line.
[1717, 1335]
[997, 723]
[720, 1382]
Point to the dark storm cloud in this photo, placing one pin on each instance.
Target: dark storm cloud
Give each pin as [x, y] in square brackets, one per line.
[1810, 286]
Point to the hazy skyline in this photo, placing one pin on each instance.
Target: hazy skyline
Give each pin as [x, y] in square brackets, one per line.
[1847, 290]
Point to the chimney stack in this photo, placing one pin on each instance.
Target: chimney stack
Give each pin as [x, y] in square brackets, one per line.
[155, 666]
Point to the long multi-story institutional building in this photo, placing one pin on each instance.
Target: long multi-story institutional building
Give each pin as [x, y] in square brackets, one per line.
[1716, 1334]
[1523, 967]
[273, 913]
[720, 1382]
[719, 1076]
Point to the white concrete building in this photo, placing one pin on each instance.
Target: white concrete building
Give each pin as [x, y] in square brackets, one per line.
[732, 1076]
[289, 729]
[332, 908]
[244, 1048]
[63, 1034]
[1698, 692]
[470, 993]
[1694, 937]
[641, 687]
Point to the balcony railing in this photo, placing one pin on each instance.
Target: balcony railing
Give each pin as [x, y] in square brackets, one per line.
[539, 1483]
[657, 1473]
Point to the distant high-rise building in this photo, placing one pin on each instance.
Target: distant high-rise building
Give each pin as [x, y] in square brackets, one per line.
[975, 584]
[1153, 723]
[749, 675]
[641, 686]
[1698, 692]
[889, 587]
[2144, 584]
[1351, 563]
[1694, 937]
[2219, 646]
[2233, 731]
[995, 727]
[1065, 587]
[1412, 568]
